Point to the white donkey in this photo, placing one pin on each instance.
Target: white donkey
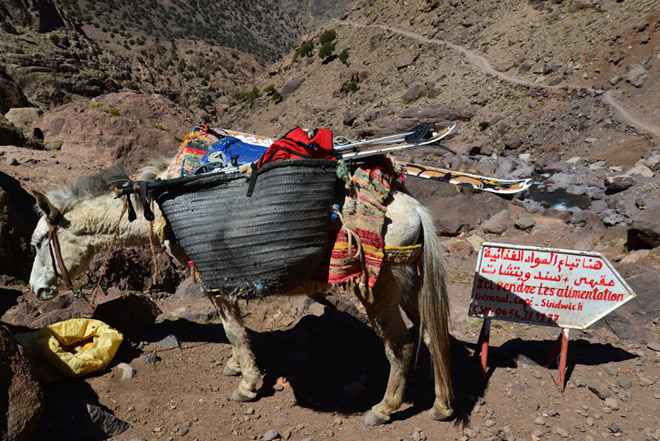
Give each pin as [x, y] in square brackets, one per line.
[82, 221]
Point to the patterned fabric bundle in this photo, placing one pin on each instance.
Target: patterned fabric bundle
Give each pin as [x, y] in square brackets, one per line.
[193, 148]
[204, 149]
[357, 251]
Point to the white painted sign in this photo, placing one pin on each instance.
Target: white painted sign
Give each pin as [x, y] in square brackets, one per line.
[566, 288]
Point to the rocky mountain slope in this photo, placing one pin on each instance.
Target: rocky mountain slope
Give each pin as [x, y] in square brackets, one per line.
[197, 54]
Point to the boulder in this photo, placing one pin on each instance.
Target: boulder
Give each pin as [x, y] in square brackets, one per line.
[118, 127]
[460, 247]
[525, 223]
[10, 134]
[637, 75]
[644, 232]
[629, 321]
[440, 114]
[453, 215]
[23, 116]
[291, 87]
[512, 142]
[499, 223]
[405, 60]
[23, 403]
[17, 221]
[35, 314]
[129, 313]
[11, 94]
[641, 170]
[615, 184]
[413, 93]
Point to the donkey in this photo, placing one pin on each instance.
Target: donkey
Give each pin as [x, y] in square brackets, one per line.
[82, 221]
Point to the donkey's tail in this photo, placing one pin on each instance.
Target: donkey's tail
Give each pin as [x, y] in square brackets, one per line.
[434, 314]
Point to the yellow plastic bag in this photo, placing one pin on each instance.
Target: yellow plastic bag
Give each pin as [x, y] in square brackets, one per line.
[74, 347]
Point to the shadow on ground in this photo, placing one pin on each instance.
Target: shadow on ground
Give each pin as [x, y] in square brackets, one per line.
[335, 363]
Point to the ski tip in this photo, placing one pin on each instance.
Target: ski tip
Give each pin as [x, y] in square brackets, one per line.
[526, 184]
[444, 132]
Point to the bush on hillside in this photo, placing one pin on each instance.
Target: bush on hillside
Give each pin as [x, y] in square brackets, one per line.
[326, 50]
[328, 36]
[305, 50]
[343, 56]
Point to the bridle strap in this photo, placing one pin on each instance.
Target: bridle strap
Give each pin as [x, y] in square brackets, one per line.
[54, 248]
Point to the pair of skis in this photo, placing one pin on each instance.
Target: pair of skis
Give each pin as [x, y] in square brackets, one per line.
[418, 136]
[411, 139]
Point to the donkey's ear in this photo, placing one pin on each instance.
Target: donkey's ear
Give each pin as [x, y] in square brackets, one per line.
[45, 204]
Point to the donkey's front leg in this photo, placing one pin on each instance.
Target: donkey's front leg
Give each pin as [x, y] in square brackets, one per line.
[242, 355]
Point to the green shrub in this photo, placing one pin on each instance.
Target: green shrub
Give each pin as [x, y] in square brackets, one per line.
[351, 86]
[55, 39]
[328, 36]
[274, 94]
[326, 50]
[253, 95]
[8, 27]
[114, 111]
[343, 56]
[483, 125]
[304, 50]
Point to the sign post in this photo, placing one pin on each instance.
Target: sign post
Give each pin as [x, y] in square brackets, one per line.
[543, 286]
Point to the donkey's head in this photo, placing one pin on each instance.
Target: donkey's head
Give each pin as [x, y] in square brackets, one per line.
[68, 232]
[51, 261]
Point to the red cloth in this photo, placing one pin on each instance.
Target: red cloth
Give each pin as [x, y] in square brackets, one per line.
[297, 145]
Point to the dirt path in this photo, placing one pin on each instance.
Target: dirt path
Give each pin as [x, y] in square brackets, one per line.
[484, 65]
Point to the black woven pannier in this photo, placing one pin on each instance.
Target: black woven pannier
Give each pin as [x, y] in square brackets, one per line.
[254, 246]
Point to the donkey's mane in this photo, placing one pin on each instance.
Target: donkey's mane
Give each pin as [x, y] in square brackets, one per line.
[91, 186]
[105, 181]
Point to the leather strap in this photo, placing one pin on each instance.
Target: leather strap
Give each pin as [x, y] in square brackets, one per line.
[54, 247]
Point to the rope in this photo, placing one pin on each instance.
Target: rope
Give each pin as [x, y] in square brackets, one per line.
[153, 250]
[92, 303]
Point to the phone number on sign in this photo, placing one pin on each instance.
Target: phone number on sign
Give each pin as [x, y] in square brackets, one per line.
[514, 314]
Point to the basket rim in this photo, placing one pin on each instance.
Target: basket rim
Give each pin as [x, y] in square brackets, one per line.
[211, 179]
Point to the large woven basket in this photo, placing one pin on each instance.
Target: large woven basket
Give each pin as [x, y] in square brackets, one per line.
[267, 243]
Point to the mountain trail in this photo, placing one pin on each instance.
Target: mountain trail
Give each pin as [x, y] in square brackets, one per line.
[484, 65]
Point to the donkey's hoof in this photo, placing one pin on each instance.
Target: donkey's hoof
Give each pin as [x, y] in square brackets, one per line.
[230, 371]
[371, 419]
[240, 396]
[435, 414]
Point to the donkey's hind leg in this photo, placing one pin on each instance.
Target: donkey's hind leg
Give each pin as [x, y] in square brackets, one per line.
[242, 359]
[441, 410]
